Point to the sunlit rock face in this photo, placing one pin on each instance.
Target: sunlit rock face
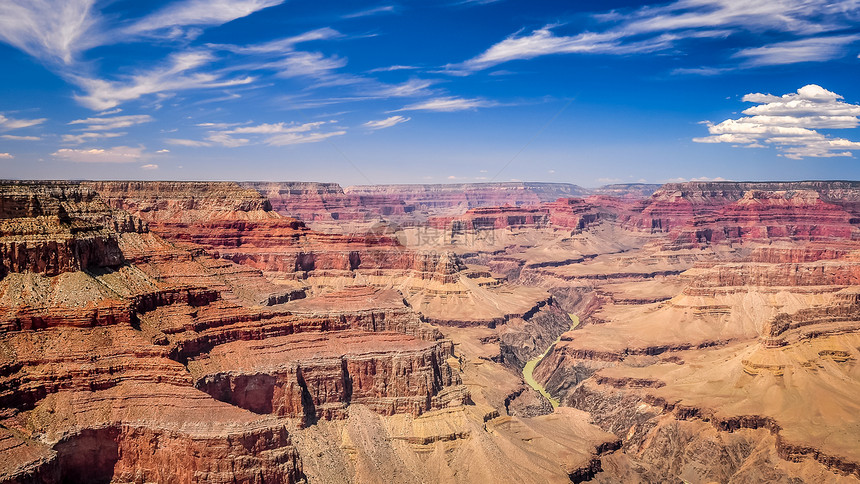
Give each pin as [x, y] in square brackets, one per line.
[300, 332]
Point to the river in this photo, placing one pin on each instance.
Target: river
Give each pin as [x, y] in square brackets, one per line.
[528, 370]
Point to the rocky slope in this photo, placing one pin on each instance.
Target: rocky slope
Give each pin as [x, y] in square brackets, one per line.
[718, 336]
[108, 365]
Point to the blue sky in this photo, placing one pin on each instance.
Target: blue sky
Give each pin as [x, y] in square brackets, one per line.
[430, 92]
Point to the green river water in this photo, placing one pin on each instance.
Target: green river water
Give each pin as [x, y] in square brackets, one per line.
[528, 370]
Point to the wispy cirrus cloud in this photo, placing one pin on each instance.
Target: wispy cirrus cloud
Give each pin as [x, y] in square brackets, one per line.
[449, 104]
[392, 69]
[410, 88]
[13, 137]
[180, 73]
[384, 9]
[51, 31]
[191, 143]
[272, 134]
[12, 123]
[114, 122]
[656, 28]
[280, 46]
[789, 123]
[57, 31]
[187, 13]
[815, 49]
[385, 123]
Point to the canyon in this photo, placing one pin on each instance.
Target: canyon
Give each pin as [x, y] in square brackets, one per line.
[305, 332]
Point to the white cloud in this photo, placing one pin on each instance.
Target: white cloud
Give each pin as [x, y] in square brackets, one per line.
[652, 28]
[84, 137]
[816, 49]
[118, 154]
[224, 139]
[306, 64]
[448, 104]
[299, 138]
[539, 43]
[187, 142]
[412, 87]
[10, 123]
[280, 46]
[162, 151]
[273, 134]
[20, 138]
[788, 123]
[197, 12]
[609, 180]
[277, 128]
[371, 11]
[149, 166]
[6, 156]
[102, 94]
[50, 30]
[392, 68]
[116, 122]
[385, 123]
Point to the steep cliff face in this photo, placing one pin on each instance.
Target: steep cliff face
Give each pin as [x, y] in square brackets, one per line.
[176, 202]
[772, 215]
[97, 371]
[734, 209]
[564, 213]
[461, 197]
[315, 376]
[327, 202]
[52, 228]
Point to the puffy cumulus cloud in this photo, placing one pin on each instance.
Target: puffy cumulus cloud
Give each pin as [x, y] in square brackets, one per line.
[10, 123]
[115, 122]
[385, 123]
[149, 166]
[448, 104]
[789, 123]
[118, 154]
[6, 156]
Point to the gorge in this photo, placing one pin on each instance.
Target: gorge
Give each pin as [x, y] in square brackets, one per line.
[302, 332]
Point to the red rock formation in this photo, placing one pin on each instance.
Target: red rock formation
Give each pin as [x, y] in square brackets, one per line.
[677, 206]
[564, 213]
[460, 197]
[327, 202]
[318, 376]
[51, 228]
[779, 215]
